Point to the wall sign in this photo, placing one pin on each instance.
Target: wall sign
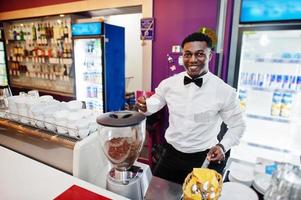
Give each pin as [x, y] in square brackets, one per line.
[147, 29]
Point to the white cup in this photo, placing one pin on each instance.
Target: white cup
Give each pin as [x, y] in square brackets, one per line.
[83, 128]
[61, 121]
[34, 93]
[93, 125]
[22, 109]
[30, 103]
[45, 98]
[73, 119]
[85, 113]
[49, 118]
[74, 105]
[37, 112]
[12, 107]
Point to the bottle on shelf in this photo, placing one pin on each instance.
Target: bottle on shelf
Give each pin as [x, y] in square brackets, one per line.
[34, 32]
[66, 30]
[21, 33]
[15, 33]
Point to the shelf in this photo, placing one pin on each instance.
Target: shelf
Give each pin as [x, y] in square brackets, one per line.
[67, 61]
[275, 60]
[269, 118]
[269, 89]
[39, 133]
[43, 90]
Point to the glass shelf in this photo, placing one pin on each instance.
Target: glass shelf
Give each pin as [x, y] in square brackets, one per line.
[269, 118]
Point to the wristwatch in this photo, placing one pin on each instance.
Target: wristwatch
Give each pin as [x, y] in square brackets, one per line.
[221, 146]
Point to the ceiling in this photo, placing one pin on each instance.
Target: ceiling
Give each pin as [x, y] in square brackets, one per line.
[111, 11]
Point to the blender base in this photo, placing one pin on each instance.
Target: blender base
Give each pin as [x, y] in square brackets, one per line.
[131, 190]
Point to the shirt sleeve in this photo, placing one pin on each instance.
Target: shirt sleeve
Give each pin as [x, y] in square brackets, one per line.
[157, 101]
[233, 117]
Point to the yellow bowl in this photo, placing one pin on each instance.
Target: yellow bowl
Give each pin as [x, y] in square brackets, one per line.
[207, 180]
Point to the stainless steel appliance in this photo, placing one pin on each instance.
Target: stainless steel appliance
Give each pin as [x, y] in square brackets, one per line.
[122, 135]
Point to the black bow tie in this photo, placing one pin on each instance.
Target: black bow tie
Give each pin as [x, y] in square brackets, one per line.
[198, 82]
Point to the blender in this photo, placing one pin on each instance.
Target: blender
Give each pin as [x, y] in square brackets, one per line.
[122, 134]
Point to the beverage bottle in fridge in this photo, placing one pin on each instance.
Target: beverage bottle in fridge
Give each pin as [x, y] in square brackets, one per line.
[286, 104]
[279, 81]
[260, 80]
[298, 87]
[285, 83]
[276, 103]
[242, 96]
[272, 82]
[94, 91]
[89, 91]
[292, 82]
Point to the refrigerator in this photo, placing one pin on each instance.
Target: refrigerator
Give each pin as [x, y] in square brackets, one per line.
[267, 76]
[99, 63]
[3, 69]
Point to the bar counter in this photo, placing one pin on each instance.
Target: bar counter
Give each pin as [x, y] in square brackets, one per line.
[25, 178]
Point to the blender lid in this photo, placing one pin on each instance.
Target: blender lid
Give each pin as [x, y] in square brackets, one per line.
[120, 118]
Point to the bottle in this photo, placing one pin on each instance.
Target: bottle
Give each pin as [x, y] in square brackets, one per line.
[272, 82]
[61, 31]
[286, 104]
[276, 104]
[292, 83]
[28, 34]
[15, 33]
[34, 32]
[18, 32]
[279, 81]
[66, 30]
[21, 34]
[10, 33]
[298, 84]
[285, 83]
[51, 31]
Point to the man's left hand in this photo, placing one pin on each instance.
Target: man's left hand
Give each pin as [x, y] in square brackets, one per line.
[216, 154]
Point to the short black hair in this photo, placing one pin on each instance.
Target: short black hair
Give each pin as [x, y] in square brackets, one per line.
[197, 36]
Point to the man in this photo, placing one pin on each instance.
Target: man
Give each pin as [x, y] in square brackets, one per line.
[198, 101]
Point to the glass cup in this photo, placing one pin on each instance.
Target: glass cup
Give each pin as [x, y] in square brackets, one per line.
[34, 93]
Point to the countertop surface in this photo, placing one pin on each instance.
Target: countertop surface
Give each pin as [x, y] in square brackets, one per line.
[163, 189]
[25, 178]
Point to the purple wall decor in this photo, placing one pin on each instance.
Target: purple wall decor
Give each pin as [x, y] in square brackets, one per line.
[174, 21]
[227, 39]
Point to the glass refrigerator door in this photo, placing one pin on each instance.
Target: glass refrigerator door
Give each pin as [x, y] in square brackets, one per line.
[3, 74]
[269, 87]
[89, 72]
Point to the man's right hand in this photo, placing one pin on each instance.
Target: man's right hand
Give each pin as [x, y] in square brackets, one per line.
[141, 104]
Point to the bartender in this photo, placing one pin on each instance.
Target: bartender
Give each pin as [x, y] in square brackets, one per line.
[198, 102]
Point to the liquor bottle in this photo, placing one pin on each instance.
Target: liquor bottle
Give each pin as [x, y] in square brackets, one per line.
[21, 34]
[66, 30]
[51, 31]
[18, 32]
[15, 33]
[34, 32]
[38, 34]
[61, 30]
[10, 33]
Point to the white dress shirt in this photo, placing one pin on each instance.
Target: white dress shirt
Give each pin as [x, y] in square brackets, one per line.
[196, 113]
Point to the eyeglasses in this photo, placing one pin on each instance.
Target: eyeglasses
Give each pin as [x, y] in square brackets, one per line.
[200, 54]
